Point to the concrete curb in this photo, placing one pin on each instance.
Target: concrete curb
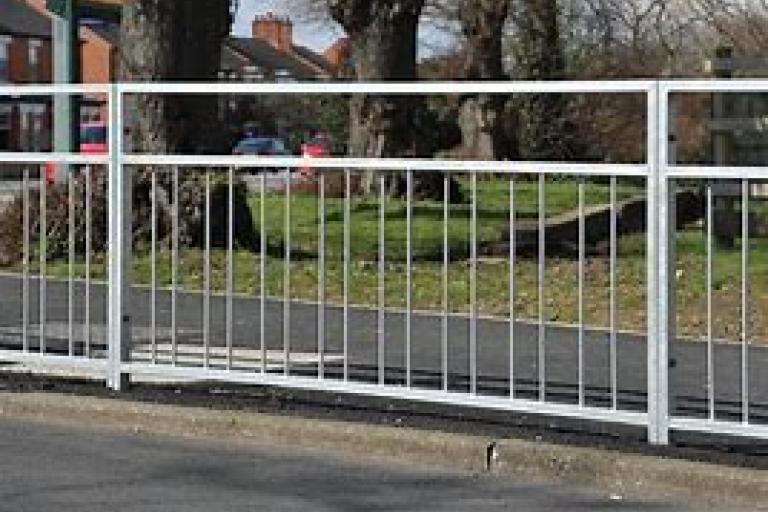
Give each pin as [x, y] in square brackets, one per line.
[627, 475]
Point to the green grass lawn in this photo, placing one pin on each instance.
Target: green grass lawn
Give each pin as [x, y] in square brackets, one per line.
[427, 227]
[493, 276]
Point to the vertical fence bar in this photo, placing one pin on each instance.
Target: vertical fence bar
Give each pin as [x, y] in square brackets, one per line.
[582, 261]
[345, 264]
[613, 249]
[710, 323]
[230, 264]
[88, 243]
[745, 301]
[473, 290]
[25, 264]
[446, 262]
[43, 257]
[263, 269]
[153, 270]
[381, 338]
[207, 274]
[512, 283]
[175, 267]
[660, 257]
[409, 278]
[321, 280]
[287, 276]
[542, 357]
[71, 261]
[120, 237]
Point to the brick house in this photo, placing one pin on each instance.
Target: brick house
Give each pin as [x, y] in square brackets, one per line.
[269, 54]
[25, 57]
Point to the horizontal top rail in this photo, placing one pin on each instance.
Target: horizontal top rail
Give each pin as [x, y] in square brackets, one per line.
[735, 172]
[53, 89]
[62, 158]
[389, 164]
[709, 85]
[393, 88]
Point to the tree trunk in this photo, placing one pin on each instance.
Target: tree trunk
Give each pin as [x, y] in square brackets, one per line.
[543, 131]
[173, 41]
[176, 41]
[383, 35]
[481, 116]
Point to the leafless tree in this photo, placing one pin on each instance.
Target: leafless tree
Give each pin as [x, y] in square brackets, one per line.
[176, 41]
[481, 116]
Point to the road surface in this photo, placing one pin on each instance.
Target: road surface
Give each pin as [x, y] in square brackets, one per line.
[77, 469]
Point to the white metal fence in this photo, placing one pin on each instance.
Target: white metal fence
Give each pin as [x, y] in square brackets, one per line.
[387, 351]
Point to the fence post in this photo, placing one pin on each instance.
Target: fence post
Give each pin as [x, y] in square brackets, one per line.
[661, 226]
[119, 188]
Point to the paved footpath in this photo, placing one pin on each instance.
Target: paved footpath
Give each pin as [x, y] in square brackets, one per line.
[78, 469]
[687, 376]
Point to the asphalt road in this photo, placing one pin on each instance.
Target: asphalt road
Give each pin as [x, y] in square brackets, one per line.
[62, 469]
[688, 359]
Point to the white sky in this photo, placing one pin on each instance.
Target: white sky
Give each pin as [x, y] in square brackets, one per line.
[317, 36]
[306, 34]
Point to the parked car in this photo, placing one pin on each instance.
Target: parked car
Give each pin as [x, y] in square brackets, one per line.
[261, 146]
[93, 141]
[93, 138]
[318, 147]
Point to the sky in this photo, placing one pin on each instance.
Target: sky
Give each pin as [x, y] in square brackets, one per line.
[311, 35]
[320, 36]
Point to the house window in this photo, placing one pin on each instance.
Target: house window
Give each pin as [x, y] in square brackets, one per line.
[253, 74]
[283, 75]
[5, 127]
[33, 132]
[35, 50]
[5, 44]
[90, 113]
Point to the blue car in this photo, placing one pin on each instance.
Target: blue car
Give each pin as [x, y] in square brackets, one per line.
[261, 146]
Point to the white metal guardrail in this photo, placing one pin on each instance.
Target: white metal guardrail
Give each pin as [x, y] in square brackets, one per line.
[742, 423]
[335, 370]
[67, 341]
[380, 387]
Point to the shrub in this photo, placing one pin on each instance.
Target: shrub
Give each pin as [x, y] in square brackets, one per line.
[191, 216]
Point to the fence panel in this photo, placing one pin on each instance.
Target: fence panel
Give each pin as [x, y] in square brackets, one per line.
[402, 297]
[53, 221]
[717, 382]
[586, 290]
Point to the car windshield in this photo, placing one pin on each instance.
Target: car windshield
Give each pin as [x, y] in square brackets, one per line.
[254, 145]
[262, 145]
[93, 135]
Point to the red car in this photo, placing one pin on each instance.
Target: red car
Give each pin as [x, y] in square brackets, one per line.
[93, 141]
[318, 147]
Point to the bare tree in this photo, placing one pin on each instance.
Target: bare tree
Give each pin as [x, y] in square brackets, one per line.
[173, 41]
[480, 117]
[176, 41]
[538, 54]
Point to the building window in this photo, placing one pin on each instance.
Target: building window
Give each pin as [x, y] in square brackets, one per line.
[5, 44]
[90, 114]
[34, 134]
[253, 74]
[35, 50]
[5, 127]
[283, 75]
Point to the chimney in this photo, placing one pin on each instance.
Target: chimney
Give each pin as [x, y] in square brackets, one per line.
[338, 54]
[275, 30]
